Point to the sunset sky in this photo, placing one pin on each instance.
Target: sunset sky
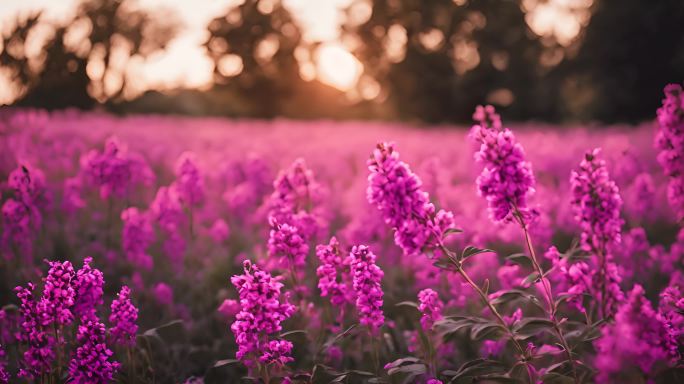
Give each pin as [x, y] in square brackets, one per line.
[185, 63]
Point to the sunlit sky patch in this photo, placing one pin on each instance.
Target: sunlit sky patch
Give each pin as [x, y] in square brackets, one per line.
[186, 64]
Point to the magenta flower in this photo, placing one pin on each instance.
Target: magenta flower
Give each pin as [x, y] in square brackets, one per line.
[189, 182]
[331, 266]
[506, 181]
[115, 171]
[163, 293]
[4, 374]
[276, 352]
[88, 286]
[295, 200]
[638, 338]
[28, 185]
[18, 227]
[431, 307]
[366, 282]
[91, 364]
[396, 192]
[670, 141]
[596, 203]
[59, 295]
[167, 210]
[123, 318]
[286, 246]
[136, 237]
[229, 308]
[39, 355]
[219, 231]
[262, 312]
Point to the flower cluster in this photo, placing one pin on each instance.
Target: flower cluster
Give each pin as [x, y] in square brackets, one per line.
[430, 306]
[671, 309]
[638, 338]
[366, 277]
[91, 363]
[4, 375]
[261, 314]
[88, 288]
[506, 180]
[596, 203]
[38, 357]
[189, 182]
[295, 200]
[123, 318]
[58, 294]
[115, 171]
[167, 209]
[332, 264]
[396, 191]
[286, 246]
[276, 352]
[670, 141]
[21, 214]
[136, 237]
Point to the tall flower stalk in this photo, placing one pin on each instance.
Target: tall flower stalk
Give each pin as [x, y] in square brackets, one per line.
[396, 191]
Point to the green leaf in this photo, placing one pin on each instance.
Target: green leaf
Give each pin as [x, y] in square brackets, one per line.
[226, 362]
[520, 259]
[339, 336]
[531, 278]
[410, 369]
[483, 330]
[172, 332]
[556, 378]
[472, 251]
[294, 332]
[412, 304]
[531, 326]
[473, 368]
[452, 231]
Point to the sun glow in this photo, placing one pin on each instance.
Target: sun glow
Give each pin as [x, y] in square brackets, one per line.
[337, 67]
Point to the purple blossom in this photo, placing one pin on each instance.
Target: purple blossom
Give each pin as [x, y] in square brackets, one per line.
[229, 308]
[39, 355]
[163, 293]
[18, 227]
[286, 246]
[670, 141]
[88, 286]
[28, 185]
[596, 203]
[59, 295]
[219, 231]
[638, 338]
[168, 212]
[506, 181]
[91, 363]
[332, 264]
[72, 199]
[136, 237]
[276, 352]
[123, 318]
[366, 277]
[671, 310]
[4, 374]
[396, 192]
[296, 200]
[431, 308]
[115, 171]
[262, 312]
[189, 182]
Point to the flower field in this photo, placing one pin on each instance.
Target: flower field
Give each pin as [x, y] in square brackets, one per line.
[150, 249]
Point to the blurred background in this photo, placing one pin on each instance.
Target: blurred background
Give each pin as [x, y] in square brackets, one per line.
[426, 61]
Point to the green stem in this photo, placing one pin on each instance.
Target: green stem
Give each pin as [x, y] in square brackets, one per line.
[552, 308]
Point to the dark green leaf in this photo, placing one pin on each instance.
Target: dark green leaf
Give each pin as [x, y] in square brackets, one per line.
[295, 332]
[472, 251]
[407, 304]
[531, 326]
[172, 332]
[223, 363]
[520, 259]
[531, 278]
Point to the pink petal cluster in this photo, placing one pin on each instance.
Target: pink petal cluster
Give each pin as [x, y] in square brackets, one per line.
[91, 363]
[123, 318]
[670, 141]
[189, 181]
[396, 191]
[88, 288]
[115, 171]
[332, 265]
[286, 246]
[506, 181]
[638, 338]
[430, 306]
[261, 314]
[136, 237]
[58, 294]
[39, 355]
[366, 277]
[596, 204]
